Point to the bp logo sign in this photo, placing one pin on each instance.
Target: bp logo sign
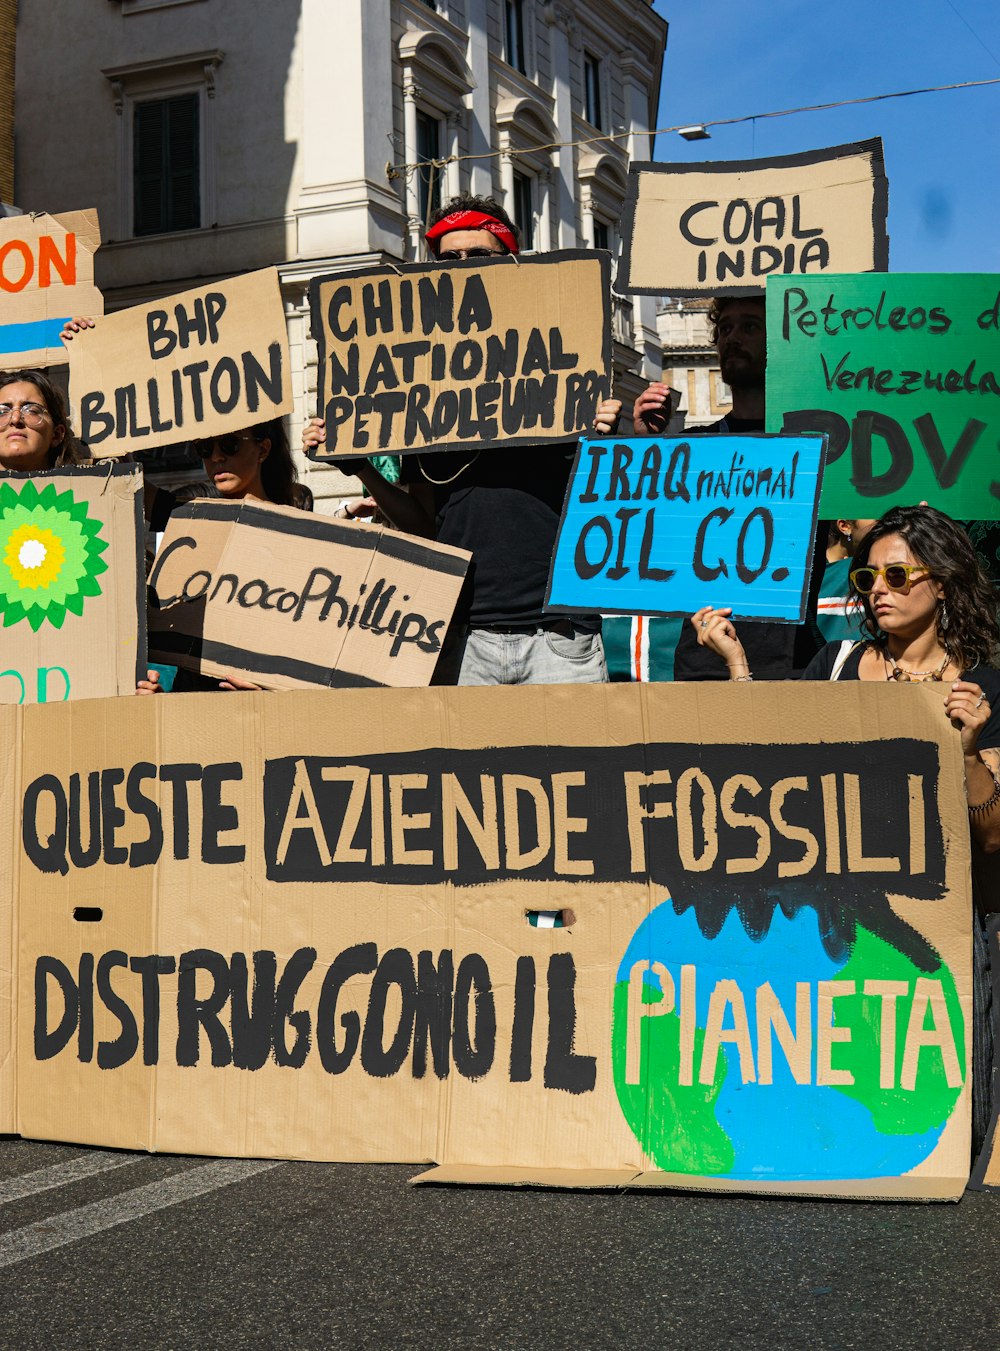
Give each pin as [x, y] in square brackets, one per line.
[789, 1054]
[50, 555]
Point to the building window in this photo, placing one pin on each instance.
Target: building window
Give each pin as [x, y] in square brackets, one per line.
[429, 175]
[166, 165]
[514, 34]
[524, 209]
[592, 91]
[721, 394]
[602, 234]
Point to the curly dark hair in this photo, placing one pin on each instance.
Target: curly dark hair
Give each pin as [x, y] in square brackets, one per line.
[970, 634]
[719, 306]
[65, 450]
[465, 201]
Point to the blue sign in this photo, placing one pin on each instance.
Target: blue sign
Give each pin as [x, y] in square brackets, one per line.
[664, 526]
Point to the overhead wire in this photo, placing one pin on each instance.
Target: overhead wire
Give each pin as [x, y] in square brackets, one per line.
[603, 137]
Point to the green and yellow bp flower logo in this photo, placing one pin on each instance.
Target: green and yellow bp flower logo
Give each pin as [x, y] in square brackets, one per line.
[50, 554]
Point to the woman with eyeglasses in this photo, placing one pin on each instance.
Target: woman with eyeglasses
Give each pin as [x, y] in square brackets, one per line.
[34, 426]
[928, 614]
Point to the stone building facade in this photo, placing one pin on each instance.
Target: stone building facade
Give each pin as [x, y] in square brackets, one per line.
[216, 136]
[691, 363]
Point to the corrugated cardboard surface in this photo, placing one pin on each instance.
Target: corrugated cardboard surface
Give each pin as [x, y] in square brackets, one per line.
[40, 249]
[842, 197]
[478, 354]
[380, 606]
[82, 648]
[194, 371]
[545, 1107]
[10, 730]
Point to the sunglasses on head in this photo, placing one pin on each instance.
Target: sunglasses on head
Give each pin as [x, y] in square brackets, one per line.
[227, 445]
[897, 576]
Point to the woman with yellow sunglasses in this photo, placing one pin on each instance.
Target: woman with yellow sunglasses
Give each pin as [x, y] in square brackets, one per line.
[929, 613]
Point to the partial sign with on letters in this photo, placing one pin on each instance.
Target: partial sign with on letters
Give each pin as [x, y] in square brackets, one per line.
[722, 228]
[202, 363]
[46, 277]
[902, 372]
[72, 584]
[291, 600]
[477, 353]
[665, 526]
[313, 933]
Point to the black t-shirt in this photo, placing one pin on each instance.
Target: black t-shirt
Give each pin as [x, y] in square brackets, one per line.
[504, 507]
[986, 677]
[774, 651]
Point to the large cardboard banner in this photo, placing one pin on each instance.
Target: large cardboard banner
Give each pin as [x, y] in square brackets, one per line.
[903, 374]
[293, 600]
[299, 926]
[479, 353]
[665, 526]
[72, 584]
[202, 363]
[722, 227]
[46, 277]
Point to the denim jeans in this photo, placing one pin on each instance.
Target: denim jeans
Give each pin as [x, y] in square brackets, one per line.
[545, 656]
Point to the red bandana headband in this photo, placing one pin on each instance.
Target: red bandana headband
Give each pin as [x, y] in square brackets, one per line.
[472, 220]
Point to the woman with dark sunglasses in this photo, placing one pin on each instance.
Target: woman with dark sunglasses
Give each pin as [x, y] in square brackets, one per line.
[254, 463]
[928, 614]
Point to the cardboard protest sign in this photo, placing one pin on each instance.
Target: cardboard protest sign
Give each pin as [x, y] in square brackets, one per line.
[293, 600]
[202, 363]
[486, 353]
[665, 526]
[46, 277]
[903, 374]
[307, 932]
[722, 227]
[72, 584]
[10, 731]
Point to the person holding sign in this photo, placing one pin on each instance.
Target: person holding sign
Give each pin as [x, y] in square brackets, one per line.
[928, 616]
[34, 426]
[740, 336]
[502, 505]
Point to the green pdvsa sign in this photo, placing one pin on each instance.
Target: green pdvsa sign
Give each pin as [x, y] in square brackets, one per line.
[903, 374]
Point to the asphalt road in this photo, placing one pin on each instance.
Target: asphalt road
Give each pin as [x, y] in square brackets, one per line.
[107, 1249]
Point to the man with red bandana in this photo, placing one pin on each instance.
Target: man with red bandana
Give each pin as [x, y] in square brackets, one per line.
[503, 506]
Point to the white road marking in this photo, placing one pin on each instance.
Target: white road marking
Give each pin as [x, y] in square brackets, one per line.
[85, 1221]
[61, 1174]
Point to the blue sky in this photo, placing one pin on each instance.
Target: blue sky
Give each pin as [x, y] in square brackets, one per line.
[942, 151]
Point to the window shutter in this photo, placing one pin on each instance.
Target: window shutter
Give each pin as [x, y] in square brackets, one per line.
[166, 165]
[184, 191]
[147, 160]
